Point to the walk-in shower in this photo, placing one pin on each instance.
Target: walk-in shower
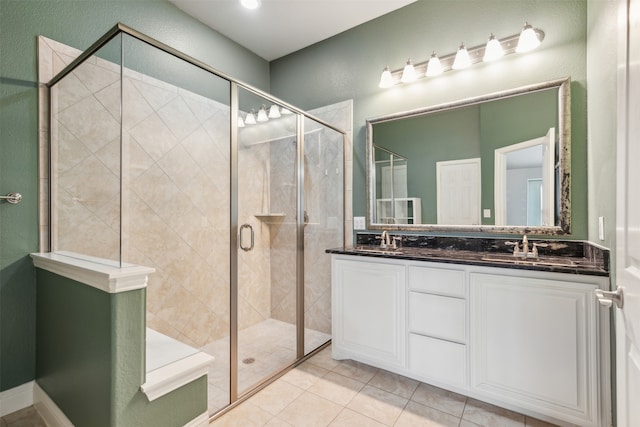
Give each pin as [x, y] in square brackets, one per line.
[155, 161]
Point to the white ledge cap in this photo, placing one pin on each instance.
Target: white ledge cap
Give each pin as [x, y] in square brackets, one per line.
[106, 275]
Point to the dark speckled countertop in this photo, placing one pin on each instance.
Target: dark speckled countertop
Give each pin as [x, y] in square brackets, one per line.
[568, 256]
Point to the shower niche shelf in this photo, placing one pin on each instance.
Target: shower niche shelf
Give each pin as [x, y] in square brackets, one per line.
[270, 218]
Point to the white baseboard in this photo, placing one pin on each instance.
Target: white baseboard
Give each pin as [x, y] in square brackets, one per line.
[48, 410]
[201, 420]
[16, 398]
[30, 393]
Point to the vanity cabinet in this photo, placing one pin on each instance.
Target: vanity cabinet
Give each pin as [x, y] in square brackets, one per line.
[368, 303]
[534, 342]
[531, 341]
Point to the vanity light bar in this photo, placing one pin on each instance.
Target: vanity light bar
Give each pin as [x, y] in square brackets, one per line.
[510, 44]
[264, 114]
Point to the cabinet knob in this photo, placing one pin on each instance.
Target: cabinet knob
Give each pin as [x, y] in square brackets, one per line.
[607, 298]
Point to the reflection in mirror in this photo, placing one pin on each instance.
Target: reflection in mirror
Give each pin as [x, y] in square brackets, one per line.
[393, 205]
[524, 176]
[459, 166]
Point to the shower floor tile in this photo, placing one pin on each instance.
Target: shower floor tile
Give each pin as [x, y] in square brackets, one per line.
[263, 349]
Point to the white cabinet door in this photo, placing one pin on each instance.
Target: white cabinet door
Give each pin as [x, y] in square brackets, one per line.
[534, 345]
[369, 309]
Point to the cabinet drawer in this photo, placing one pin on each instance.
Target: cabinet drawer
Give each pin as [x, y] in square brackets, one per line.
[437, 280]
[438, 360]
[438, 316]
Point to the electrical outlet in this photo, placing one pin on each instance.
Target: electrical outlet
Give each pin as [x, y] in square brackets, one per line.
[486, 213]
[601, 228]
[358, 223]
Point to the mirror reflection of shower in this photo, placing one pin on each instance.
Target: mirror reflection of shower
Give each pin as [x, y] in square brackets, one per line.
[393, 204]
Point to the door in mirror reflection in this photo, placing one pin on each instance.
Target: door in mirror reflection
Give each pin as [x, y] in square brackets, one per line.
[524, 182]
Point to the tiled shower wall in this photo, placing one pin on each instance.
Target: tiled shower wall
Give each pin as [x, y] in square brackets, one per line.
[176, 147]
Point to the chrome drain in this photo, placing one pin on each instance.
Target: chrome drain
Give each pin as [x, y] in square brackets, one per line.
[248, 360]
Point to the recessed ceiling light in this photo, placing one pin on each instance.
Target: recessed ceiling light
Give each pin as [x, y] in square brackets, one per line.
[250, 4]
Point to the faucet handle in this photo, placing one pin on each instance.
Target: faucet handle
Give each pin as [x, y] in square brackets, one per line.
[535, 248]
[395, 240]
[516, 247]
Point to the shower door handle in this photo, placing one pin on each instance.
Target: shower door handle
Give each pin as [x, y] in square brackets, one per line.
[242, 246]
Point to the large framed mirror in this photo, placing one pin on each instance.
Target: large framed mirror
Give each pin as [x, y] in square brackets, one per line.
[498, 163]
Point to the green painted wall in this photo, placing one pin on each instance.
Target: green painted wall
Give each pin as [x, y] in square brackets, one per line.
[602, 71]
[90, 358]
[349, 66]
[77, 24]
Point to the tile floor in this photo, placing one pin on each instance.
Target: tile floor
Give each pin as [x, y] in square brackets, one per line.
[325, 392]
[27, 417]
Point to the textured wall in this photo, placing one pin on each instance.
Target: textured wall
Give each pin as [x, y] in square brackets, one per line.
[91, 359]
[349, 66]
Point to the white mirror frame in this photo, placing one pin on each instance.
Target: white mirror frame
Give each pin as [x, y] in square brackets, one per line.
[562, 188]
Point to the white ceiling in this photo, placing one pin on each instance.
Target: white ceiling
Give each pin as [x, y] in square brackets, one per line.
[280, 27]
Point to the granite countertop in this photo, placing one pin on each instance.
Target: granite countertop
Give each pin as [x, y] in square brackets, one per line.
[574, 257]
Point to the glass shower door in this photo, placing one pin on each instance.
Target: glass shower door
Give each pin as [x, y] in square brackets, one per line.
[323, 225]
[266, 252]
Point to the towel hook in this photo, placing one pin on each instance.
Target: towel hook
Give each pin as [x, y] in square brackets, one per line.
[13, 198]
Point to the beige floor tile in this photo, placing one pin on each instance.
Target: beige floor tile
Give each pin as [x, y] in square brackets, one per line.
[533, 422]
[27, 417]
[349, 418]
[310, 410]
[245, 415]
[442, 400]
[356, 370]
[275, 397]
[416, 414]
[305, 375]
[466, 423]
[277, 422]
[394, 383]
[337, 388]
[378, 404]
[324, 360]
[488, 415]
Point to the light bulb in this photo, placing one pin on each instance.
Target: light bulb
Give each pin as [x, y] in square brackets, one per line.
[250, 4]
[274, 112]
[493, 50]
[262, 114]
[528, 39]
[250, 118]
[462, 59]
[285, 111]
[409, 73]
[386, 79]
[433, 66]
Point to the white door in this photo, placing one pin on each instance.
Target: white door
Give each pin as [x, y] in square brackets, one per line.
[628, 225]
[536, 155]
[458, 192]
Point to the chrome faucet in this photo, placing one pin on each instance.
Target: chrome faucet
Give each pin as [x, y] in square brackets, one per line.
[525, 245]
[384, 239]
[524, 253]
